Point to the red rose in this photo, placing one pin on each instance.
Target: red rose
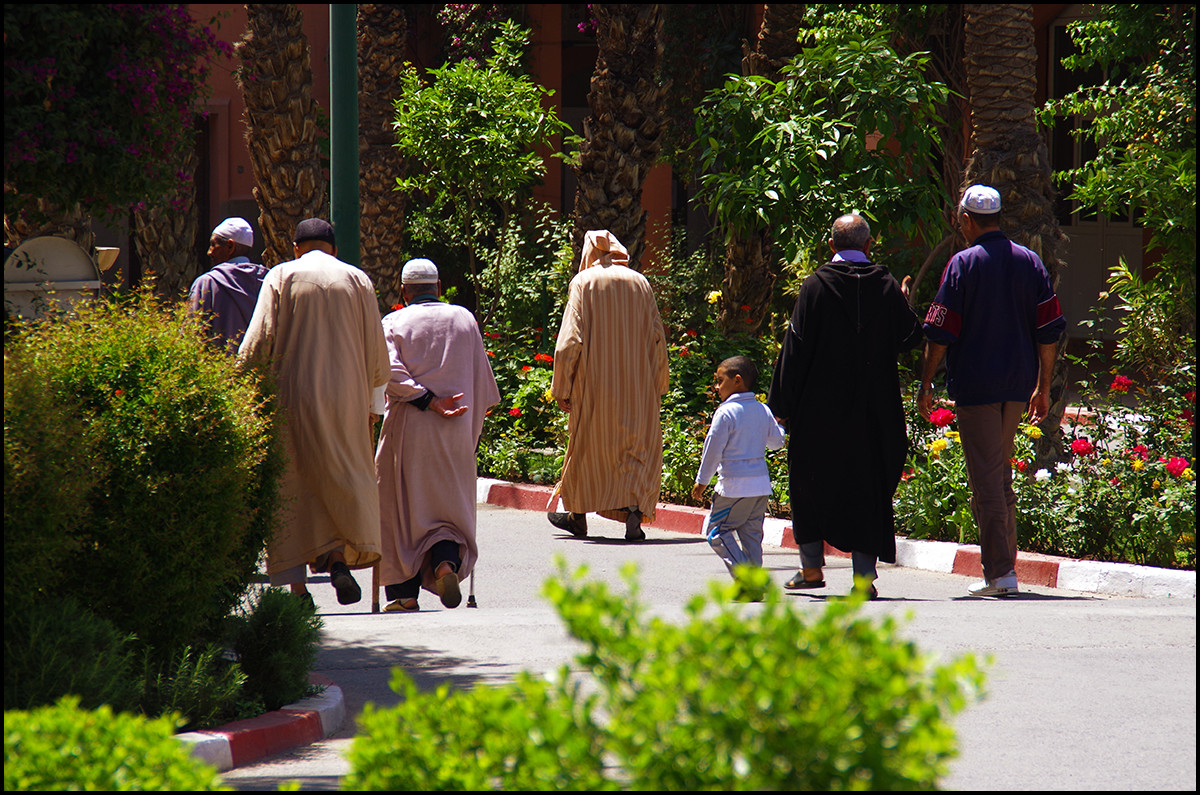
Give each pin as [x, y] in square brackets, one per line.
[1176, 465]
[941, 417]
[1082, 447]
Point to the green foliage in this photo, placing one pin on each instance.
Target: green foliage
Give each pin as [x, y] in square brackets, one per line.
[54, 647]
[63, 747]
[99, 102]
[1142, 121]
[848, 127]
[476, 130]
[197, 683]
[186, 461]
[528, 735]
[275, 641]
[1156, 324]
[697, 706]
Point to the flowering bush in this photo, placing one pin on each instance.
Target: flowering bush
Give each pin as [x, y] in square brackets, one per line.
[1124, 493]
[99, 102]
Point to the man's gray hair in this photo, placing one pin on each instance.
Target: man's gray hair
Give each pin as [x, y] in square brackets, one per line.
[851, 231]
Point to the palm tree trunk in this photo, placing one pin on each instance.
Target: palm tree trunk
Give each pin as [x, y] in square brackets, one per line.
[622, 134]
[1008, 153]
[281, 125]
[382, 44]
[750, 259]
[167, 234]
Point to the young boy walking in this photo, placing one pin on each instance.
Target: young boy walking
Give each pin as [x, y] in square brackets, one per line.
[735, 449]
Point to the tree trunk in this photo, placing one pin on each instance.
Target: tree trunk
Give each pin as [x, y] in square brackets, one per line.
[281, 125]
[622, 134]
[1008, 153]
[166, 235]
[750, 259]
[382, 43]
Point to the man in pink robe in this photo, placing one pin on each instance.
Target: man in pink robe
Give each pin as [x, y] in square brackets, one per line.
[439, 393]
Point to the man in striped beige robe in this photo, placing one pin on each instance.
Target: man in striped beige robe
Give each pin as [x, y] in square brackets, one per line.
[610, 373]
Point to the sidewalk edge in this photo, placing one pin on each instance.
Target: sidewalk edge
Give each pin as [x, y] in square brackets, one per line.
[241, 742]
[1088, 576]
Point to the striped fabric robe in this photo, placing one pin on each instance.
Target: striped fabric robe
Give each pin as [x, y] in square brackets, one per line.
[610, 362]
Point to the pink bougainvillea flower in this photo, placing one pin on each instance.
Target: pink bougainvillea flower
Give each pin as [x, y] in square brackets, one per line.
[1176, 465]
[941, 417]
[1082, 447]
[1120, 384]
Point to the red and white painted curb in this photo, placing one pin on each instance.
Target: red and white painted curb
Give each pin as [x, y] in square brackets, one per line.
[1089, 576]
[245, 741]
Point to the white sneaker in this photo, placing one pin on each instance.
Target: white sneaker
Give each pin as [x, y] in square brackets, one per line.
[1001, 586]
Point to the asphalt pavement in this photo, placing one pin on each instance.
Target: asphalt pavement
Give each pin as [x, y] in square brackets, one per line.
[1086, 690]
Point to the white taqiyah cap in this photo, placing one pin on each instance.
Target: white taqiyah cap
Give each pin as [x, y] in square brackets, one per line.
[235, 229]
[981, 199]
[419, 271]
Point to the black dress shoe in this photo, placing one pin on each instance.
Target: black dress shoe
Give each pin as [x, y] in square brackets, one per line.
[344, 583]
[633, 526]
[573, 523]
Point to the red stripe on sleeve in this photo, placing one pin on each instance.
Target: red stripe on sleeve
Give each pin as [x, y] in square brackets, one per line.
[1048, 311]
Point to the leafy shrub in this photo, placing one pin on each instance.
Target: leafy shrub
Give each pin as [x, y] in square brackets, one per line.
[276, 644]
[198, 684]
[63, 747]
[54, 647]
[165, 536]
[698, 706]
[529, 735]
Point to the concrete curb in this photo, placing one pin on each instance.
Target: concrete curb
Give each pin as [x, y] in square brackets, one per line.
[245, 741]
[1112, 579]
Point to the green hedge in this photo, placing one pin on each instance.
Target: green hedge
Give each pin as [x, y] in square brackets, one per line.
[140, 471]
[766, 698]
[63, 747]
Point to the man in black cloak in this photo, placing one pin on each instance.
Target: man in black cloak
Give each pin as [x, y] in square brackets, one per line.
[837, 387]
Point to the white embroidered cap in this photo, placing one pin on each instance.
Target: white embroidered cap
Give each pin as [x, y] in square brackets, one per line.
[235, 229]
[981, 199]
[419, 271]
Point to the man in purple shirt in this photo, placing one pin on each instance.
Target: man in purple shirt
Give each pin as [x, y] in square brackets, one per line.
[996, 322]
[227, 293]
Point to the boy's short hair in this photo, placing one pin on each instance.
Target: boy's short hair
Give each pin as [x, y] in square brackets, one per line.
[743, 366]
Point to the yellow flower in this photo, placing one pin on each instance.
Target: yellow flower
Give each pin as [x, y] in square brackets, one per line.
[1188, 474]
[714, 296]
[1156, 485]
[1138, 465]
[1033, 432]
[951, 435]
[1105, 462]
[938, 446]
[546, 396]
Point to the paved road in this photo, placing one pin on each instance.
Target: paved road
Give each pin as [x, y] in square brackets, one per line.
[1086, 692]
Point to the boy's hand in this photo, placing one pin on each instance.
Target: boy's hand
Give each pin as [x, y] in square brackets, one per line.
[698, 492]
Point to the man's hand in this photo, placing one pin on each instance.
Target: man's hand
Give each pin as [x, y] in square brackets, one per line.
[698, 492]
[925, 402]
[446, 405]
[1039, 406]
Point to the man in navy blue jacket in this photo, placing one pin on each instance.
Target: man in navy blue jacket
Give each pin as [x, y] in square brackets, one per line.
[996, 322]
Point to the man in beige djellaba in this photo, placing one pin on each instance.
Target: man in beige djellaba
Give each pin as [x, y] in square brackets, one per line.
[610, 373]
[317, 324]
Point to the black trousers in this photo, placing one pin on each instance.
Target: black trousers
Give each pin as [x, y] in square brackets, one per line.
[441, 552]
